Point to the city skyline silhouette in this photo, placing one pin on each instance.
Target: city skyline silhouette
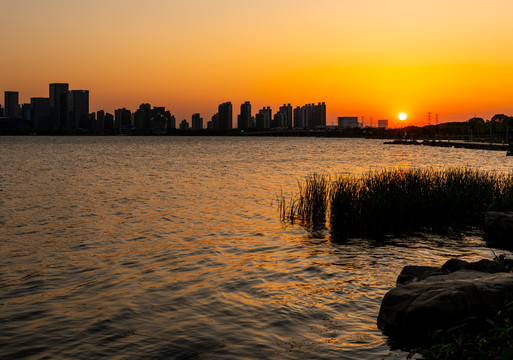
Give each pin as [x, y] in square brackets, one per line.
[369, 59]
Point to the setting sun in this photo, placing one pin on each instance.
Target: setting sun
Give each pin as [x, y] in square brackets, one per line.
[403, 116]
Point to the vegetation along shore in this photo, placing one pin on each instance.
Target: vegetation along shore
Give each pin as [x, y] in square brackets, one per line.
[397, 201]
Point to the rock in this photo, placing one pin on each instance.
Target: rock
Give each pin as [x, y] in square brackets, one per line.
[487, 266]
[498, 228]
[417, 273]
[453, 265]
[441, 300]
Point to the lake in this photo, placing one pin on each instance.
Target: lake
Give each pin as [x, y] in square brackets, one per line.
[172, 247]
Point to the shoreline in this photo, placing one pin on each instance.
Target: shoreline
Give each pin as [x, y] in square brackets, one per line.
[452, 143]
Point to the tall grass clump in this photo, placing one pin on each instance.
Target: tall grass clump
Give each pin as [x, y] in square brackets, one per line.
[400, 200]
[311, 205]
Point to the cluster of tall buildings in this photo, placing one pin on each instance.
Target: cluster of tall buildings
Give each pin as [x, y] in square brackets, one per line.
[63, 108]
[68, 110]
[309, 116]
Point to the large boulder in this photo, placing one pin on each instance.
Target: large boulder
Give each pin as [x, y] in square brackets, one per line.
[498, 228]
[444, 298]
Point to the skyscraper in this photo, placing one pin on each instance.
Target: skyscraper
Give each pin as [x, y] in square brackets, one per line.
[264, 117]
[244, 119]
[40, 111]
[142, 117]
[78, 109]
[286, 109]
[318, 119]
[12, 104]
[100, 120]
[225, 116]
[58, 101]
[122, 118]
[197, 122]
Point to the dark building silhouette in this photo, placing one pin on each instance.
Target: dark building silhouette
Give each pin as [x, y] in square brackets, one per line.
[263, 118]
[279, 120]
[92, 121]
[197, 122]
[184, 125]
[171, 123]
[210, 124]
[214, 121]
[348, 122]
[100, 120]
[142, 117]
[40, 112]
[158, 124]
[58, 101]
[159, 120]
[26, 116]
[286, 111]
[318, 116]
[244, 118]
[12, 105]
[1, 111]
[225, 116]
[108, 121]
[122, 118]
[78, 109]
[299, 121]
[310, 116]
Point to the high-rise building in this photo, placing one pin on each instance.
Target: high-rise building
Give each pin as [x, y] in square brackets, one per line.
[58, 102]
[225, 116]
[142, 117]
[263, 118]
[244, 119]
[299, 122]
[318, 116]
[12, 104]
[78, 109]
[108, 121]
[1, 111]
[214, 120]
[92, 121]
[197, 122]
[310, 116]
[40, 112]
[286, 110]
[171, 123]
[25, 120]
[122, 118]
[100, 120]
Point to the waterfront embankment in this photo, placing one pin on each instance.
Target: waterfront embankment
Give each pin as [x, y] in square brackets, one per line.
[452, 143]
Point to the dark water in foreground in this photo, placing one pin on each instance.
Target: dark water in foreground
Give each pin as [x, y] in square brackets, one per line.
[168, 247]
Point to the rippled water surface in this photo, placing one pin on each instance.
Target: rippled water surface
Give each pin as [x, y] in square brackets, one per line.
[171, 247]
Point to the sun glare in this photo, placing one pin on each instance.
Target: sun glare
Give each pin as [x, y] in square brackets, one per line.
[403, 116]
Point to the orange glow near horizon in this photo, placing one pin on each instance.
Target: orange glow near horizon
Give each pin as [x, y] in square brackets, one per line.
[369, 59]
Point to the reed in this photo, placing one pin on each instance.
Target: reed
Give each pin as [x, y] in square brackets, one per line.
[398, 200]
[310, 206]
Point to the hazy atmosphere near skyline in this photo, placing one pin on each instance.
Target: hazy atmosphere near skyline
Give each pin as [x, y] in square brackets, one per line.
[363, 58]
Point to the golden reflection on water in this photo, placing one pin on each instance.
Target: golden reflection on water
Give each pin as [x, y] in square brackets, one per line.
[123, 245]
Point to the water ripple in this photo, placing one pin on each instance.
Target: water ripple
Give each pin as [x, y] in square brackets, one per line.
[171, 248]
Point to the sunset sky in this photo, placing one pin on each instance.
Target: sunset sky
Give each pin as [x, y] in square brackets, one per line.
[370, 58]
